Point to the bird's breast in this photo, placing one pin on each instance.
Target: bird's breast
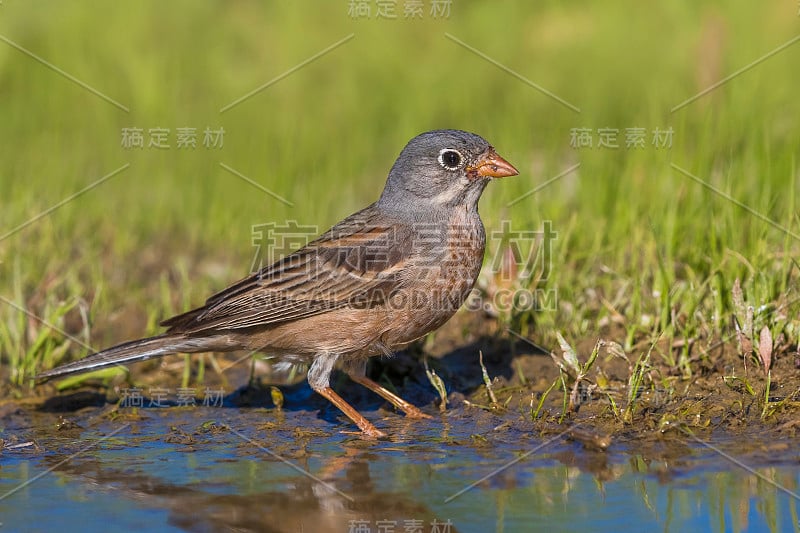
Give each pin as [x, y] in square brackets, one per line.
[447, 259]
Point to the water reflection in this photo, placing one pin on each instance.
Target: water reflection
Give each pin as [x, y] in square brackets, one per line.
[237, 469]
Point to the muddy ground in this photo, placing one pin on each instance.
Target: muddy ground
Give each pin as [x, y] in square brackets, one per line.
[155, 460]
[720, 395]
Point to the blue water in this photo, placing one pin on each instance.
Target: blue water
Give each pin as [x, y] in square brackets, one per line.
[150, 477]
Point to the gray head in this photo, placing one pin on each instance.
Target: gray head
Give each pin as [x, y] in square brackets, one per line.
[442, 168]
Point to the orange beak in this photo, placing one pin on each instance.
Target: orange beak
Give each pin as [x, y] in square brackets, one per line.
[492, 165]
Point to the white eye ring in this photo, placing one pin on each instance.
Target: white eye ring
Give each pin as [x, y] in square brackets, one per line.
[451, 165]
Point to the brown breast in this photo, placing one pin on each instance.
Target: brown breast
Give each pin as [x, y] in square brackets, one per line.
[447, 267]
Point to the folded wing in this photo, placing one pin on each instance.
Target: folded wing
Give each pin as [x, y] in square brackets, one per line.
[358, 262]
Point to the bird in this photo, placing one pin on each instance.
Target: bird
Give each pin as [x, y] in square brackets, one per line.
[372, 284]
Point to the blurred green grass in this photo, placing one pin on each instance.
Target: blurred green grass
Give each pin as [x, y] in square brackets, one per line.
[640, 244]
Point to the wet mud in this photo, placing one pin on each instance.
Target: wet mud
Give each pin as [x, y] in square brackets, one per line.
[261, 457]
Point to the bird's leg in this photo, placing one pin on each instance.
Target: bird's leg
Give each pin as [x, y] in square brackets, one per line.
[357, 372]
[319, 380]
[363, 424]
[410, 410]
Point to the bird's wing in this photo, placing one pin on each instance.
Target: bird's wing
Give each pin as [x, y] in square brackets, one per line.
[358, 262]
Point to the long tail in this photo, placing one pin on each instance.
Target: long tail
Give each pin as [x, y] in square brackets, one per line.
[137, 350]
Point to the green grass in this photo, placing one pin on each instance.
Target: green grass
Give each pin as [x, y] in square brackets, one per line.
[643, 250]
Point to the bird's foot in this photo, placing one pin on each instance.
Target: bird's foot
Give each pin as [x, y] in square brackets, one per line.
[412, 412]
[372, 432]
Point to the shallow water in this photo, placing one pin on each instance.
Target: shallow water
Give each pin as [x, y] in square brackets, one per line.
[212, 468]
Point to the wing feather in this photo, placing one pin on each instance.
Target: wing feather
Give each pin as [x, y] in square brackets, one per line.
[358, 262]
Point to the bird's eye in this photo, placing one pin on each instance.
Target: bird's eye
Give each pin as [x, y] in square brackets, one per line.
[450, 159]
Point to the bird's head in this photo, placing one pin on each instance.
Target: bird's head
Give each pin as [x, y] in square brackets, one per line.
[441, 169]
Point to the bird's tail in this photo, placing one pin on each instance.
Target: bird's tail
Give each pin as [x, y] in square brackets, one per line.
[128, 352]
